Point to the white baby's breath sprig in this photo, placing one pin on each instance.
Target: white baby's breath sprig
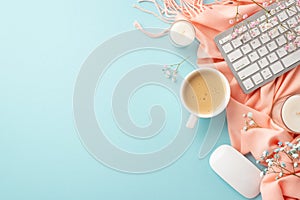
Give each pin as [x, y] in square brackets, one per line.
[171, 71]
[279, 166]
[249, 121]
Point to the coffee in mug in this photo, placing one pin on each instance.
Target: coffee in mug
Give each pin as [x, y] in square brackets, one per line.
[205, 93]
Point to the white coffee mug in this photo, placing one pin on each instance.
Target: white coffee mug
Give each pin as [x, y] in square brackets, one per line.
[205, 93]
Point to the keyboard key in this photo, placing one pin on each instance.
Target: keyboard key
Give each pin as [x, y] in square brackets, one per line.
[272, 57]
[282, 16]
[274, 33]
[236, 42]
[278, 9]
[246, 48]
[292, 47]
[255, 43]
[264, 26]
[248, 84]
[225, 39]
[241, 63]
[282, 27]
[289, 2]
[291, 11]
[292, 22]
[276, 67]
[264, 38]
[298, 39]
[254, 32]
[272, 45]
[291, 59]
[262, 51]
[281, 52]
[246, 37]
[233, 56]
[266, 73]
[274, 21]
[263, 62]
[253, 56]
[281, 40]
[293, 8]
[227, 48]
[242, 29]
[262, 18]
[257, 78]
[248, 71]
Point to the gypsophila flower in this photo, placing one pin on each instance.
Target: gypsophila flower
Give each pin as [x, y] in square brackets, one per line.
[171, 71]
[249, 121]
[265, 4]
[276, 150]
[265, 153]
[290, 144]
[295, 155]
[282, 165]
[168, 73]
[291, 36]
[250, 115]
[286, 47]
[253, 24]
[245, 16]
[234, 35]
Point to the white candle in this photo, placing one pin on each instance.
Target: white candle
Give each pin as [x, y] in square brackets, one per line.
[286, 113]
[182, 33]
[291, 113]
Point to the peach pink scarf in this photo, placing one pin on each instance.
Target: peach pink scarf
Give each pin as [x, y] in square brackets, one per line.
[209, 20]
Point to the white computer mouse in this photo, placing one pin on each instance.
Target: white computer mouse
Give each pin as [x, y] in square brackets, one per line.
[236, 170]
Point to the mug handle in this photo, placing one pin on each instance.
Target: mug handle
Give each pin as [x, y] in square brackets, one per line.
[191, 121]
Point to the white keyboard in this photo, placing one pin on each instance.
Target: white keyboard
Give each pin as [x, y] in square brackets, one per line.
[259, 54]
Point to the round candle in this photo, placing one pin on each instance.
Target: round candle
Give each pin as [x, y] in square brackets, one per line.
[182, 33]
[291, 113]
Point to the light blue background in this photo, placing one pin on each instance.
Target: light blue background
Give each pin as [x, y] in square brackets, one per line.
[43, 45]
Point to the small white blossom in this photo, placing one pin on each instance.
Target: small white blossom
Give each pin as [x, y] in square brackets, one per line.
[295, 155]
[295, 164]
[250, 114]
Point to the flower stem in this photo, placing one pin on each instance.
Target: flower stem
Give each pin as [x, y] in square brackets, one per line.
[290, 172]
[260, 6]
[179, 64]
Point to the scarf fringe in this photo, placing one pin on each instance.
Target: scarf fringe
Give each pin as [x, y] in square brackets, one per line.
[168, 10]
[152, 35]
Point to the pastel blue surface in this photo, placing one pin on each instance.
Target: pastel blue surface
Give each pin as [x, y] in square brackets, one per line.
[43, 45]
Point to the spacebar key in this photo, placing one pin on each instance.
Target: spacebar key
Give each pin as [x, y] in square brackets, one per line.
[292, 58]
